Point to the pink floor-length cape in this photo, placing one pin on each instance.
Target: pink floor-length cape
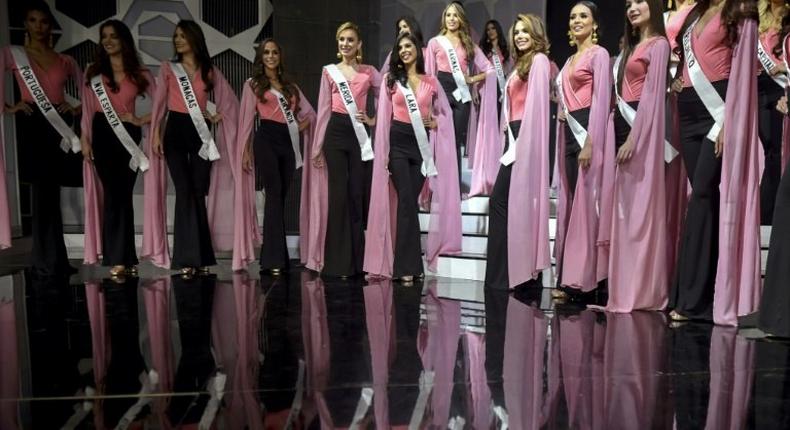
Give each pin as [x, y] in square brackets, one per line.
[247, 234]
[93, 194]
[380, 324]
[738, 285]
[5, 212]
[785, 150]
[164, 351]
[315, 339]
[528, 209]
[576, 249]
[522, 369]
[477, 379]
[315, 181]
[444, 233]
[638, 277]
[219, 202]
[483, 128]
[731, 379]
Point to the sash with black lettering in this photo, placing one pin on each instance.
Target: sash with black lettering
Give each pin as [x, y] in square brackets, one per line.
[347, 96]
[208, 151]
[138, 159]
[579, 132]
[629, 113]
[461, 93]
[710, 98]
[293, 125]
[510, 155]
[769, 64]
[500, 71]
[70, 139]
[428, 166]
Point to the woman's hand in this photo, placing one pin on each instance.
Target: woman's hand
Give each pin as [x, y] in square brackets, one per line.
[718, 147]
[561, 115]
[156, 144]
[364, 119]
[304, 124]
[87, 150]
[585, 156]
[781, 105]
[626, 151]
[429, 123]
[318, 161]
[130, 118]
[246, 159]
[67, 108]
[214, 119]
[677, 85]
[20, 107]
[779, 68]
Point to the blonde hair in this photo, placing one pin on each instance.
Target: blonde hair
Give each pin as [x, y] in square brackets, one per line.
[348, 25]
[769, 21]
[463, 28]
[536, 29]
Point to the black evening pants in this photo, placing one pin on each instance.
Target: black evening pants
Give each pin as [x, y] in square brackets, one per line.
[770, 129]
[461, 113]
[775, 303]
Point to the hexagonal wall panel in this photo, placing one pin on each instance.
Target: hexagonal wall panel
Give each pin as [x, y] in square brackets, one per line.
[87, 12]
[230, 21]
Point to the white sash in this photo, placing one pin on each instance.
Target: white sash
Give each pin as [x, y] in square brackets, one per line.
[784, 55]
[579, 132]
[629, 113]
[428, 165]
[673, 68]
[461, 93]
[208, 151]
[293, 125]
[70, 139]
[500, 71]
[351, 107]
[769, 64]
[138, 159]
[707, 93]
[510, 155]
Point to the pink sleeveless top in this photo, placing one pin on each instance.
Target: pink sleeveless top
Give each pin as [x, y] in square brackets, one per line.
[53, 79]
[674, 24]
[578, 85]
[636, 72]
[123, 101]
[425, 94]
[517, 97]
[270, 110]
[769, 40]
[366, 77]
[175, 101]
[711, 50]
[443, 63]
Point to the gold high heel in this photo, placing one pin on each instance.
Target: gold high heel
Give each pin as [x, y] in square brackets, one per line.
[117, 270]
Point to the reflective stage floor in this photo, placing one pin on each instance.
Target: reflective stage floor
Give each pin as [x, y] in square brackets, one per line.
[232, 352]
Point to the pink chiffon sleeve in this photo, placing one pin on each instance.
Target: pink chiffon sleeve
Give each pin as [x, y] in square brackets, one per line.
[785, 127]
[315, 185]
[155, 246]
[528, 196]
[385, 67]
[245, 231]
[5, 212]
[444, 225]
[484, 143]
[79, 77]
[220, 195]
[738, 286]
[306, 112]
[379, 240]
[92, 187]
[430, 57]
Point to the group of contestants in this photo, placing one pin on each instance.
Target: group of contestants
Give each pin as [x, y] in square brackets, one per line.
[657, 160]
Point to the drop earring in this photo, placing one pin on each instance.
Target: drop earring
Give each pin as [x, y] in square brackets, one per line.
[571, 40]
[669, 4]
[595, 36]
[339, 56]
[27, 39]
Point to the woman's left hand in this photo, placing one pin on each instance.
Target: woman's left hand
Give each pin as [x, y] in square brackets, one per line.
[718, 147]
[304, 124]
[65, 107]
[626, 151]
[364, 119]
[130, 118]
[213, 118]
[429, 123]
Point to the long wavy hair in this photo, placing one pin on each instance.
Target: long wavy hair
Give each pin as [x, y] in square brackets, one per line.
[414, 27]
[398, 72]
[768, 20]
[501, 40]
[540, 43]
[785, 30]
[348, 25]
[260, 81]
[733, 12]
[197, 41]
[631, 35]
[463, 28]
[132, 65]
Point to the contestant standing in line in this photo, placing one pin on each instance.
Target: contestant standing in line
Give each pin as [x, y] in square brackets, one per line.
[518, 239]
[494, 42]
[675, 176]
[775, 302]
[414, 143]
[110, 141]
[771, 83]
[44, 139]
[334, 178]
[198, 165]
[719, 258]
[583, 151]
[270, 157]
[460, 65]
[404, 24]
[638, 276]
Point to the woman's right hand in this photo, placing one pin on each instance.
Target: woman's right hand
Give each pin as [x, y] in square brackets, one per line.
[87, 150]
[156, 144]
[677, 85]
[781, 105]
[585, 156]
[561, 115]
[318, 161]
[21, 106]
[246, 159]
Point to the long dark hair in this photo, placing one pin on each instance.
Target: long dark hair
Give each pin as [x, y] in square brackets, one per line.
[631, 35]
[733, 12]
[414, 27]
[197, 41]
[260, 81]
[398, 71]
[501, 40]
[131, 61]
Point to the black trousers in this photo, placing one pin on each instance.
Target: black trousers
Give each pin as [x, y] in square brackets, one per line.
[461, 113]
[692, 293]
[275, 166]
[496, 248]
[404, 166]
[46, 167]
[572, 150]
[191, 177]
[775, 303]
[112, 165]
[344, 247]
[770, 129]
[621, 127]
